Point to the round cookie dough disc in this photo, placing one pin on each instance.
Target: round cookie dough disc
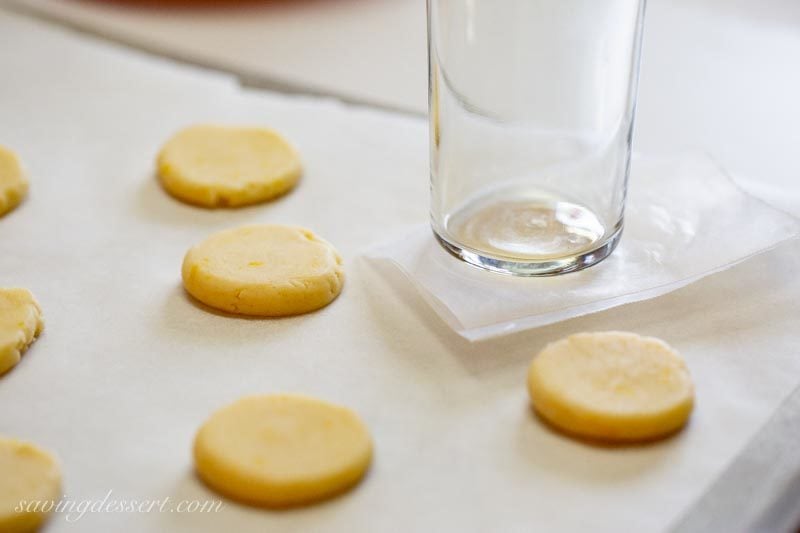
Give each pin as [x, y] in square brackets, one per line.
[264, 270]
[20, 323]
[611, 386]
[13, 183]
[224, 166]
[28, 475]
[282, 450]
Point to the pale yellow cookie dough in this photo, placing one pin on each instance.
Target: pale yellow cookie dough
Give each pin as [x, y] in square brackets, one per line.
[30, 486]
[227, 166]
[20, 323]
[13, 183]
[611, 386]
[282, 450]
[264, 270]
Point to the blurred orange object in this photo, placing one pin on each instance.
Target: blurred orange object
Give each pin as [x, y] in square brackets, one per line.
[188, 3]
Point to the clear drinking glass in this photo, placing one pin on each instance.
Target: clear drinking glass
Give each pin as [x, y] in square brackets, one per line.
[531, 113]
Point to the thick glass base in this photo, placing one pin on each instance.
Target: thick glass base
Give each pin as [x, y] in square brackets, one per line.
[543, 266]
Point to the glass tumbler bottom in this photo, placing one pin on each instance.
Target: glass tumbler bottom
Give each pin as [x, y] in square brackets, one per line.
[527, 236]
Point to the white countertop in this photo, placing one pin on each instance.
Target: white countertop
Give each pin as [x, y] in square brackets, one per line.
[365, 50]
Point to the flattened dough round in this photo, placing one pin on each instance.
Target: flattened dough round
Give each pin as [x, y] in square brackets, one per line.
[13, 183]
[29, 475]
[282, 450]
[264, 270]
[611, 386]
[20, 323]
[227, 166]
